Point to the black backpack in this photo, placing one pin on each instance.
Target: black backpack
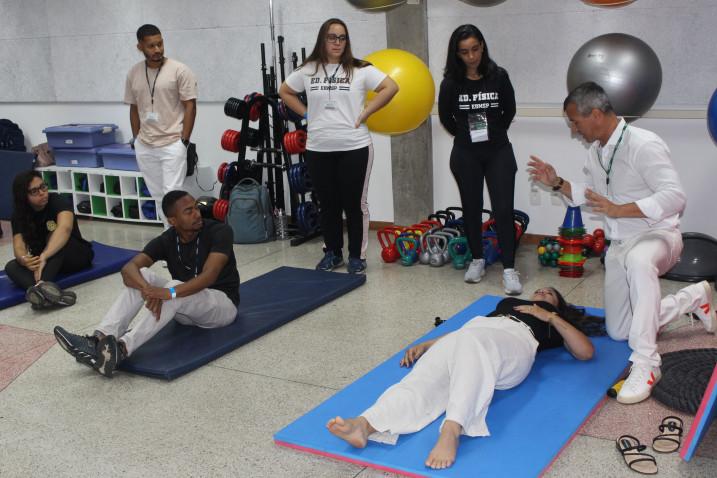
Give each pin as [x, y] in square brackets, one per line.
[11, 137]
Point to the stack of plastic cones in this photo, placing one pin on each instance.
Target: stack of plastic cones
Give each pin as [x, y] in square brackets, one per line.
[571, 260]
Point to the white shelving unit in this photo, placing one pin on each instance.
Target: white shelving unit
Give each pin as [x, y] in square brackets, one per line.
[104, 189]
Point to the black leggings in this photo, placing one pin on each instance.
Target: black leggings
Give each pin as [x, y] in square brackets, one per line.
[340, 181]
[498, 168]
[75, 256]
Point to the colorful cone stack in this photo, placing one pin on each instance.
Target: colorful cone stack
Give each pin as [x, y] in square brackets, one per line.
[571, 260]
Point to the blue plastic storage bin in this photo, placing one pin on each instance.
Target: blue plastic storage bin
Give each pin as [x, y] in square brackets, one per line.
[119, 156]
[78, 158]
[80, 135]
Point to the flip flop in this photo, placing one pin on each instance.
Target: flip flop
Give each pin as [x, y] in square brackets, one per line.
[632, 451]
[671, 437]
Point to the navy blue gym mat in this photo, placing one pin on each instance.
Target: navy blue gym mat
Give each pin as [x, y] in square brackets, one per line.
[529, 424]
[267, 302]
[108, 260]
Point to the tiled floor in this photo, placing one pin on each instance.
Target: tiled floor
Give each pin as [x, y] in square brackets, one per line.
[58, 418]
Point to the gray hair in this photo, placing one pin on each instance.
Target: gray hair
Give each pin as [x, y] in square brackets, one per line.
[587, 97]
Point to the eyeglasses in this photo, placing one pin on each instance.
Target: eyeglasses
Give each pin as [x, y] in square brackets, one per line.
[332, 38]
[36, 191]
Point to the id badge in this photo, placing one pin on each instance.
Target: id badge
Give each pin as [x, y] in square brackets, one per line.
[152, 117]
[330, 105]
[478, 126]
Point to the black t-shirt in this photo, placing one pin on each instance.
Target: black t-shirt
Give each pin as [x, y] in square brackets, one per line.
[545, 334]
[42, 223]
[492, 95]
[186, 261]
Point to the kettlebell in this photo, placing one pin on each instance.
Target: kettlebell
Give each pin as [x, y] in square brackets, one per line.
[437, 244]
[424, 256]
[459, 259]
[407, 246]
[447, 235]
[387, 238]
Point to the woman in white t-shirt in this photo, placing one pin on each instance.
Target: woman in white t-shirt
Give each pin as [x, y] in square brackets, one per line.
[339, 152]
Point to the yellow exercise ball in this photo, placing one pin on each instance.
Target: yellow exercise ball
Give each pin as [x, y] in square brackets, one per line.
[416, 95]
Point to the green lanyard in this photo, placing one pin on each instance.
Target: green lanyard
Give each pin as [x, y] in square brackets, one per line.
[612, 157]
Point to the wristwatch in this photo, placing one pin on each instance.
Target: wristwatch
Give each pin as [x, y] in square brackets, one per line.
[557, 187]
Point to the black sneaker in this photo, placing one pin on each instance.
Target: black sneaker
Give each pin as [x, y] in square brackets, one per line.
[356, 266]
[46, 304]
[109, 355]
[34, 296]
[50, 291]
[55, 295]
[82, 347]
[330, 262]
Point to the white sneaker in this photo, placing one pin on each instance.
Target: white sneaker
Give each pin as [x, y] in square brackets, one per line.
[511, 282]
[638, 385]
[705, 311]
[475, 272]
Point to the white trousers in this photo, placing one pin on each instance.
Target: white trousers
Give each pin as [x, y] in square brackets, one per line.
[163, 168]
[208, 308]
[458, 375]
[634, 310]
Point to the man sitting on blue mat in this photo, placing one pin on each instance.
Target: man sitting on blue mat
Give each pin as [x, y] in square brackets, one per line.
[204, 290]
[458, 372]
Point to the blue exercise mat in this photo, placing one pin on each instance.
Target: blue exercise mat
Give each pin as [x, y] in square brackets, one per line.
[267, 302]
[529, 424]
[108, 260]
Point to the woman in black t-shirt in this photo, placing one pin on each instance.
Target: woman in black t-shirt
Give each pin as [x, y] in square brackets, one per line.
[476, 105]
[46, 241]
[459, 371]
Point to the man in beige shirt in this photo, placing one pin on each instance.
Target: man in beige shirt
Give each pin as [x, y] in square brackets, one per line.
[162, 94]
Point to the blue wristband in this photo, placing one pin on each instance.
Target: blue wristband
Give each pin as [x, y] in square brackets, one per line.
[173, 292]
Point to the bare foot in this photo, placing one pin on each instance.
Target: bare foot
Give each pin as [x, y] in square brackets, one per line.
[443, 454]
[353, 430]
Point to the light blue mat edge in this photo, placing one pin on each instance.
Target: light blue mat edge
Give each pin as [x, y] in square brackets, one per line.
[309, 434]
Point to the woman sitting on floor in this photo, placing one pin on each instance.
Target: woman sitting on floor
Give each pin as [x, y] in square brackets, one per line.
[46, 241]
[459, 371]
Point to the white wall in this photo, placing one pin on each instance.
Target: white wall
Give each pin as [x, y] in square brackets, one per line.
[693, 153]
[535, 40]
[211, 123]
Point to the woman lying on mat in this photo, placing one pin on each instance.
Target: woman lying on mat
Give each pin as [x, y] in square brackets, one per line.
[458, 372]
[46, 241]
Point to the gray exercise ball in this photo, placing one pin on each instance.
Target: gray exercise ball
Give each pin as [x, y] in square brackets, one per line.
[483, 3]
[376, 5]
[625, 66]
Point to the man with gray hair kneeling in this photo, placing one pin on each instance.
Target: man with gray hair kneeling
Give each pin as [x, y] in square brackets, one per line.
[203, 290]
[631, 181]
